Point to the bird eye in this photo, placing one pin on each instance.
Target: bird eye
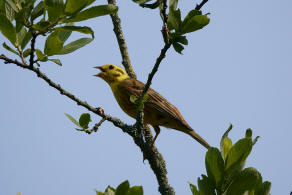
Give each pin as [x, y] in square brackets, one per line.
[111, 67]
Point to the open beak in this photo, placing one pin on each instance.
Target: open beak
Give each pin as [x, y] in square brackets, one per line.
[102, 73]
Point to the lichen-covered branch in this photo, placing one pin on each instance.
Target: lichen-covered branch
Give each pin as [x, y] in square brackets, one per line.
[121, 41]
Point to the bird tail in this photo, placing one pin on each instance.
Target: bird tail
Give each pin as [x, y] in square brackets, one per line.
[199, 138]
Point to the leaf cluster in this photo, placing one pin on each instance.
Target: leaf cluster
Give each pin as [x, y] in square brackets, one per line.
[82, 123]
[177, 26]
[123, 189]
[21, 21]
[225, 170]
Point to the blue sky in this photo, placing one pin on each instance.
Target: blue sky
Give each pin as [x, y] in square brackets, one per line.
[236, 70]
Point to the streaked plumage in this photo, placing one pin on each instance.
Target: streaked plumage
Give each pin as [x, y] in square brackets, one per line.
[157, 110]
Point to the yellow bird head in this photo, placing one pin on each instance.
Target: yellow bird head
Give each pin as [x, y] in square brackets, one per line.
[111, 73]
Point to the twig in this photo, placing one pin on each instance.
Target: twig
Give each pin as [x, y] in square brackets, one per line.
[199, 6]
[165, 30]
[95, 127]
[21, 54]
[32, 47]
[121, 41]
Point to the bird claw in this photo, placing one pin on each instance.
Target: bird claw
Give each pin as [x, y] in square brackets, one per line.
[100, 110]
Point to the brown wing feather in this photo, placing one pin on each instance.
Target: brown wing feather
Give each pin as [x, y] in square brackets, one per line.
[155, 100]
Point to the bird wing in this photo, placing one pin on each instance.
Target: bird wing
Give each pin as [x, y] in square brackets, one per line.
[154, 100]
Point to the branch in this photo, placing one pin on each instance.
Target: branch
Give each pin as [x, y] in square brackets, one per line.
[155, 159]
[32, 46]
[121, 41]
[199, 6]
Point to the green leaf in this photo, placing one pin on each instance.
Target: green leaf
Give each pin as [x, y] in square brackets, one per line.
[55, 9]
[73, 6]
[7, 29]
[12, 5]
[93, 12]
[178, 47]
[248, 179]
[74, 46]
[181, 39]
[238, 153]
[22, 16]
[73, 120]
[194, 189]
[89, 2]
[26, 39]
[133, 99]
[63, 35]
[20, 36]
[205, 186]
[145, 98]
[53, 44]
[174, 20]
[191, 14]
[255, 140]
[9, 48]
[248, 133]
[141, 1]
[235, 160]
[263, 189]
[81, 29]
[172, 5]
[214, 166]
[225, 143]
[135, 190]
[26, 53]
[84, 120]
[99, 193]
[151, 5]
[195, 23]
[57, 61]
[41, 26]
[2, 7]
[123, 188]
[37, 11]
[110, 191]
[9, 11]
[41, 57]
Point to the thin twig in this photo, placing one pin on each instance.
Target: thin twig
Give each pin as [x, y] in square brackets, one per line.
[21, 54]
[121, 41]
[165, 30]
[199, 6]
[95, 127]
[32, 47]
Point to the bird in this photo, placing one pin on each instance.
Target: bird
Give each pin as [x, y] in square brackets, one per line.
[158, 111]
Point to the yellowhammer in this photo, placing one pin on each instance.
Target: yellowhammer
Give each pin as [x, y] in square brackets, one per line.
[157, 110]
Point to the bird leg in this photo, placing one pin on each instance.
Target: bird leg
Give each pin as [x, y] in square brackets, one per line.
[157, 131]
